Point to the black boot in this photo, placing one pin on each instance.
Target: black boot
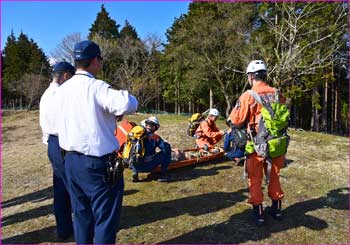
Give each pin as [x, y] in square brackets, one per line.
[135, 177]
[275, 209]
[258, 215]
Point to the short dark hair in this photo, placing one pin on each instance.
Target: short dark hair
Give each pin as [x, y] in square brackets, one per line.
[82, 63]
[58, 75]
[260, 75]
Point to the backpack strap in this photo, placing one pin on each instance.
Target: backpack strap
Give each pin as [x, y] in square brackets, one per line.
[262, 102]
[277, 95]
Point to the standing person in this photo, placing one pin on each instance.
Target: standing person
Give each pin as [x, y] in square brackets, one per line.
[86, 114]
[61, 72]
[246, 113]
[207, 133]
[151, 158]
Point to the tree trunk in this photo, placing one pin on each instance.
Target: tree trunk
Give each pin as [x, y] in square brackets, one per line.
[337, 118]
[324, 107]
[315, 116]
[332, 109]
[158, 96]
[211, 98]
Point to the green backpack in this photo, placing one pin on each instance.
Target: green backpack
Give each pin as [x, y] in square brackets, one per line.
[272, 139]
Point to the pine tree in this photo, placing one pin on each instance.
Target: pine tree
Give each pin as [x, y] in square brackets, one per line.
[12, 69]
[128, 31]
[104, 26]
[23, 58]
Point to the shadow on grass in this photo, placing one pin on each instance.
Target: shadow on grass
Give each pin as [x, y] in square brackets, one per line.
[240, 228]
[195, 205]
[36, 212]
[192, 172]
[38, 196]
[45, 235]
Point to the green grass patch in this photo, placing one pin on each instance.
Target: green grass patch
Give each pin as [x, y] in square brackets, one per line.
[203, 204]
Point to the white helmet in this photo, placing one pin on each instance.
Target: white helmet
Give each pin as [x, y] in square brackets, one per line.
[143, 123]
[214, 112]
[153, 120]
[256, 65]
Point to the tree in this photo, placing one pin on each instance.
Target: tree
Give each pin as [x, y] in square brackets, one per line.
[64, 50]
[11, 66]
[128, 31]
[23, 56]
[104, 26]
[211, 39]
[299, 41]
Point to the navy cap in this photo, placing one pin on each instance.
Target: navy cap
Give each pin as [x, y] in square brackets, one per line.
[86, 50]
[63, 66]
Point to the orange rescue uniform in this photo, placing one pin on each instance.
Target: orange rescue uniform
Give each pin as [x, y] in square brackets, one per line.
[208, 134]
[245, 113]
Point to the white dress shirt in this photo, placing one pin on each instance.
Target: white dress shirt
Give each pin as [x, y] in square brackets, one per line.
[46, 117]
[86, 111]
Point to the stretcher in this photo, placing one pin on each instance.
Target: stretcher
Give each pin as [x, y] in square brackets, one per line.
[192, 157]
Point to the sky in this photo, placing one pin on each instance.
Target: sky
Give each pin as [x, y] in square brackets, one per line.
[47, 23]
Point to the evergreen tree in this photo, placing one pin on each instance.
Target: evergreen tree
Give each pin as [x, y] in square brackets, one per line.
[23, 58]
[11, 66]
[128, 31]
[104, 26]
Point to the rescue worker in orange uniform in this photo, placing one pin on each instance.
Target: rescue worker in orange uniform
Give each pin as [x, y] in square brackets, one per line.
[207, 134]
[246, 113]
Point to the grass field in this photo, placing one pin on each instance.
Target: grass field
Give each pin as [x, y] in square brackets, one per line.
[203, 204]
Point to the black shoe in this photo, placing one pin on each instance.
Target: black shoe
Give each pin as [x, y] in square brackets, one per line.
[275, 209]
[258, 215]
[64, 238]
[164, 178]
[135, 178]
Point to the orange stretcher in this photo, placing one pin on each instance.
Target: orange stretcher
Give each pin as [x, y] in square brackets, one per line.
[193, 157]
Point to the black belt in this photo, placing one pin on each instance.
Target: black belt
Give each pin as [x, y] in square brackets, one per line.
[64, 152]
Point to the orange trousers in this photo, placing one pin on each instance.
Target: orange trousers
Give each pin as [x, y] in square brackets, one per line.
[255, 166]
[210, 142]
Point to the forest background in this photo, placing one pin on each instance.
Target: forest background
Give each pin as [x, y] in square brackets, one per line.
[202, 63]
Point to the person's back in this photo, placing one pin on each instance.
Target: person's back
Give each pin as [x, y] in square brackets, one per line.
[61, 72]
[232, 150]
[86, 113]
[247, 114]
[249, 108]
[96, 119]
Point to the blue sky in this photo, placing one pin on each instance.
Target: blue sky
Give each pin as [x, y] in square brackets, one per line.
[47, 23]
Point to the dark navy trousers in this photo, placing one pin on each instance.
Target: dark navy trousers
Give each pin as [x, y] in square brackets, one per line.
[160, 158]
[61, 199]
[96, 204]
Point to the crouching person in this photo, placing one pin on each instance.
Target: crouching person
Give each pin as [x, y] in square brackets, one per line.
[234, 143]
[232, 149]
[151, 156]
[208, 134]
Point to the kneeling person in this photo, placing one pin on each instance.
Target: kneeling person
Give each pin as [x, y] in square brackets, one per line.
[208, 134]
[152, 158]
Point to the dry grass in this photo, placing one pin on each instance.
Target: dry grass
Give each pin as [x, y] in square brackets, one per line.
[204, 204]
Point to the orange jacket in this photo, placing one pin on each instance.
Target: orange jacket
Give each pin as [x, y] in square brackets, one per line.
[247, 111]
[208, 133]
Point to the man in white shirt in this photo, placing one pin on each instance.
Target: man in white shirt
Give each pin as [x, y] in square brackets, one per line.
[61, 72]
[86, 119]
